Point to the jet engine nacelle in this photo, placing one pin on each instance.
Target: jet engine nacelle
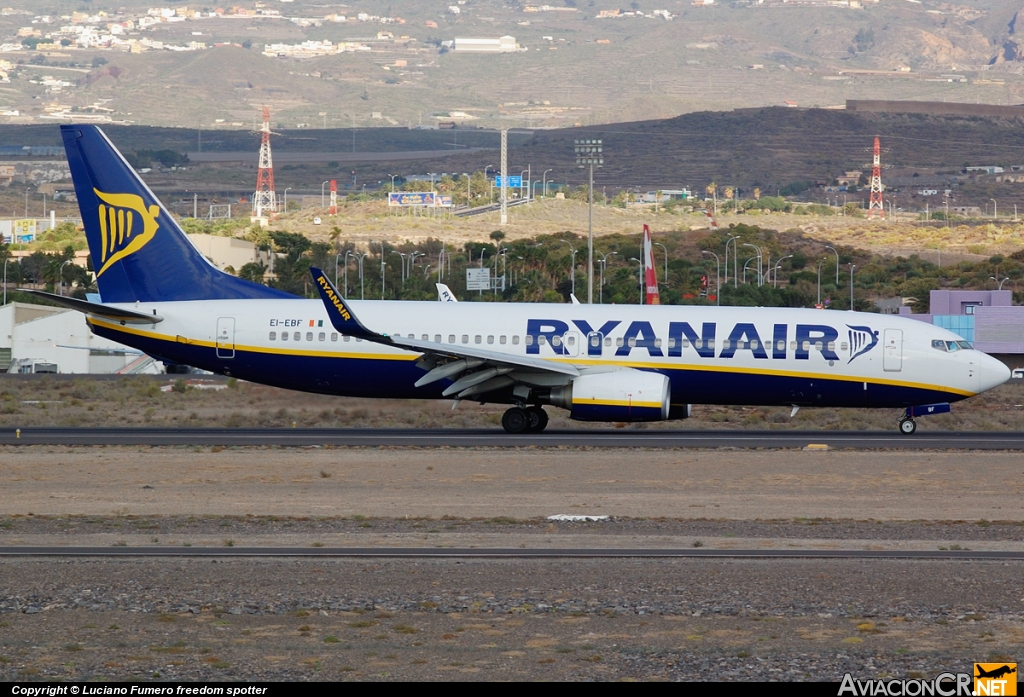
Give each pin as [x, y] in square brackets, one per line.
[622, 395]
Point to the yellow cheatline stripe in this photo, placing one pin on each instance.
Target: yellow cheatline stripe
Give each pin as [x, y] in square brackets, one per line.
[250, 349]
[617, 403]
[572, 361]
[765, 371]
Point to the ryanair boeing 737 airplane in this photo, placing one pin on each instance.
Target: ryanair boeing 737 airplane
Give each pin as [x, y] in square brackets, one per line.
[600, 362]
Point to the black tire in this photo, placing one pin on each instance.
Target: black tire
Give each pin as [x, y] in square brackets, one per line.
[908, 426]
[538, 419]
[515, 420]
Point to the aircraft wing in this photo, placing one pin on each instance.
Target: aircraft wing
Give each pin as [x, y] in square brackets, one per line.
[474, 370]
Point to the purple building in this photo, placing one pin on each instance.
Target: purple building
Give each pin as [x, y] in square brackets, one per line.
[986, 318]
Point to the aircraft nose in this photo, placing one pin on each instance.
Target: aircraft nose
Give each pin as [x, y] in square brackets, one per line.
[993, 372]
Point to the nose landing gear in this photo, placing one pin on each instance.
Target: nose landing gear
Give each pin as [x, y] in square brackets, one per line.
[524, 420]
[907, 426]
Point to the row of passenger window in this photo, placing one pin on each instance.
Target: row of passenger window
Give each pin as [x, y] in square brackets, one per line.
[594, 341]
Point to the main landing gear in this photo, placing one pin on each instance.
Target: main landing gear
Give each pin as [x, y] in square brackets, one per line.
[524, 420]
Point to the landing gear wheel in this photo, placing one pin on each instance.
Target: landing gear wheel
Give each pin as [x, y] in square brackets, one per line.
[538, 419]
[907, 426]
[515, 420]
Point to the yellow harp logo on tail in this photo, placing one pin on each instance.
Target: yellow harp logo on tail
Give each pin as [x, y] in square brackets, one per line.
[126, 226]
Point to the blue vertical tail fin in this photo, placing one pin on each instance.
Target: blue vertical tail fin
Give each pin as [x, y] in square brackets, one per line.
[139, 252]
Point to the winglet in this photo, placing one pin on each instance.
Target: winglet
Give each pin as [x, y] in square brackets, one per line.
[444, 294]
[342, 317]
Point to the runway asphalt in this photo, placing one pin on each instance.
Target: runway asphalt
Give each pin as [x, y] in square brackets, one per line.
[505, 553]
[465, 438]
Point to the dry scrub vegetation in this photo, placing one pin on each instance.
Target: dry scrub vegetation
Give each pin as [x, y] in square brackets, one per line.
[139, 401]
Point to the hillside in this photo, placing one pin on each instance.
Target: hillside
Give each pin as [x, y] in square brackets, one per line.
[576, 67]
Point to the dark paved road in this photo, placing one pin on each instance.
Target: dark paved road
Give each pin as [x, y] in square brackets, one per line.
[999, 440]
[501, 553]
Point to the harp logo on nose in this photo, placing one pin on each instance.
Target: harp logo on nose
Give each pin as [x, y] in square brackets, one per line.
[126, 226]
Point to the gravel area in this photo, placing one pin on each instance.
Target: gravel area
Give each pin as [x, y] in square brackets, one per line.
[446, 619]
[362, 530]
[476, 619]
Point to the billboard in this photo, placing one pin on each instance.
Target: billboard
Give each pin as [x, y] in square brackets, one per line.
[25, 230]
[412, 198]
[513, 182]
[478, 279]
[443, 200]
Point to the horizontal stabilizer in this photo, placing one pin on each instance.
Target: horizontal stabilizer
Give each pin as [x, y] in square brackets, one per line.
[115, 313]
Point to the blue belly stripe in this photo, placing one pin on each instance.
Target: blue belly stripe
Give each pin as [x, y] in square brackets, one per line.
[389, 378]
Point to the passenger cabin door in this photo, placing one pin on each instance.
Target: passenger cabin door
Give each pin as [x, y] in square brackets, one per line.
[225, 337]
[892, 356]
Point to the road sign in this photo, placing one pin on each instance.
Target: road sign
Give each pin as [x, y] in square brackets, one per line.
[513, 182]
[478, 279]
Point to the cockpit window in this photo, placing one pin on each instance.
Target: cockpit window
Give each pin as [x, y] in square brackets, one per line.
[938, 344]
[952, 346]
[964, 345]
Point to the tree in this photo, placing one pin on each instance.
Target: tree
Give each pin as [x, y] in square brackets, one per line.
[253, 271]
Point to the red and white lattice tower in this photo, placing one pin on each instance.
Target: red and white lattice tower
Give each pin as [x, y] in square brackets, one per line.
[264, 201]
[334, 197]
[876, 208]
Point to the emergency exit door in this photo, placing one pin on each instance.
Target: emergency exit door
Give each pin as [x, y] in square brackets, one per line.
[225, 337]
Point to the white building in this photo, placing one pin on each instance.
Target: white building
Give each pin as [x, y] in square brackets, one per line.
[504, 44]
[225, 252]
[39, 338]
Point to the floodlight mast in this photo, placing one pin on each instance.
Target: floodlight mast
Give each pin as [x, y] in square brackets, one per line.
[590, 152]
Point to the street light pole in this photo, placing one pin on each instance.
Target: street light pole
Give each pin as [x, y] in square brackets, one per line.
[604, 262]
[285, 199]
[837, 263]
[5, 279]
[664, 249]
[60, 280]
[640, 277]
[734, 261]
[401, 254]
[995, 209]
[322, 202]
[590, 152]
[382, 270]
[852, 267]
[362, 285]
[544, 183]
[718, 277]
[344, 290]
[819, 280]
[760, 280]
[775, 272]
[572, 267]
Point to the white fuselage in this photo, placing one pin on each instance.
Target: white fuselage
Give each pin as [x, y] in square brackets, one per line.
[723, 355]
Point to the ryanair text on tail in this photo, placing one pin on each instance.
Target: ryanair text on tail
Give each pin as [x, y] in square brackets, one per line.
[989, 679]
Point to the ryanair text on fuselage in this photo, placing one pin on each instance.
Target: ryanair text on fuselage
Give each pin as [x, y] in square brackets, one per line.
[800, 339]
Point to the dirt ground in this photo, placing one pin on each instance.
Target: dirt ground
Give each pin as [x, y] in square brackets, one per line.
[41, 400]
[511, 482]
